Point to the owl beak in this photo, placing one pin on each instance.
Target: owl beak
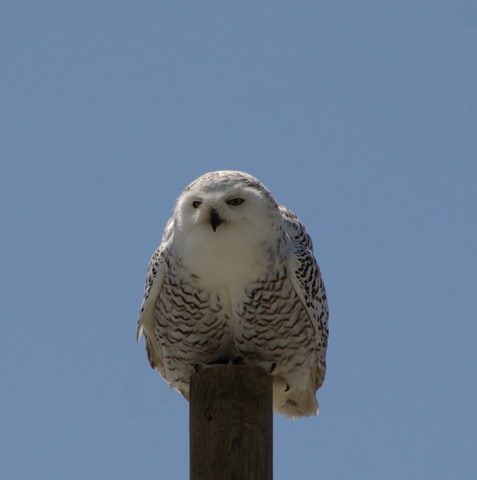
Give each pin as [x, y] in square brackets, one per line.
[215, 219]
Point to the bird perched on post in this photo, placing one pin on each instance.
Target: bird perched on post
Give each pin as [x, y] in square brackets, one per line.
[235, 279]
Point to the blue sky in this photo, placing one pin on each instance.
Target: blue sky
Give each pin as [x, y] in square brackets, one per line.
[359, 116]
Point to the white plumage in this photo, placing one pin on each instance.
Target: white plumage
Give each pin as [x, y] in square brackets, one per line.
[235, 278]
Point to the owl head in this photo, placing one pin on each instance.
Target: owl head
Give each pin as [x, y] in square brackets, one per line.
[225, 200]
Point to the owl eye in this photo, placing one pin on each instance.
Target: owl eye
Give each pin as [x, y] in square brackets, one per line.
[235, 201]
[196, 204]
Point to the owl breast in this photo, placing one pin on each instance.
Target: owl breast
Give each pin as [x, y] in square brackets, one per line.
[235, 256]
[252, 313]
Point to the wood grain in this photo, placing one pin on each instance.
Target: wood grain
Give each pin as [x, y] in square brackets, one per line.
[231, 424]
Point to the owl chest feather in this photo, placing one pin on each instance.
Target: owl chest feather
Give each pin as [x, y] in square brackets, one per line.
[230, 257]
[221, 268]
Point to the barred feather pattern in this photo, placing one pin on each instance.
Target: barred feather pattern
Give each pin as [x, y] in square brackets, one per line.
[235, 277]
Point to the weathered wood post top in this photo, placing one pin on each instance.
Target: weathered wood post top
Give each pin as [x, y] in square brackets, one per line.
[231, 423]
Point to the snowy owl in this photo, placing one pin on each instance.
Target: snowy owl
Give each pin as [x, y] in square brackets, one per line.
[235, 278]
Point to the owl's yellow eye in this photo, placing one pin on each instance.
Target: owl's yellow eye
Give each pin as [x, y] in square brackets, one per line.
[235, 201]
[196, 204]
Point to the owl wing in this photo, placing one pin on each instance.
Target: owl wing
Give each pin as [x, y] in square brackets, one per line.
[295, 229]
[156, 272]
[305, 276]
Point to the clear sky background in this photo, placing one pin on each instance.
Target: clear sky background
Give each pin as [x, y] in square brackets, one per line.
[360, 116]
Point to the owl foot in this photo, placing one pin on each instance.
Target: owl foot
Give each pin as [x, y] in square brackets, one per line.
[219, 361]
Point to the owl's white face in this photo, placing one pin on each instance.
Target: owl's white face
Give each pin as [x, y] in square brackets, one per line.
[226, 202]
[225, 218]
[217, 210]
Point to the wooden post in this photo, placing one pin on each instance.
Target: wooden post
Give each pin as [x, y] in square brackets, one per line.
[230, 424]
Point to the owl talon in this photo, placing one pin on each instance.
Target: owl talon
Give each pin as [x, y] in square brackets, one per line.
[238, 361]
[274, 365]
[220, 361]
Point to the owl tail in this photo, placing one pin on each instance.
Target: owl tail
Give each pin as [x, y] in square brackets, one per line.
[295, 402]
